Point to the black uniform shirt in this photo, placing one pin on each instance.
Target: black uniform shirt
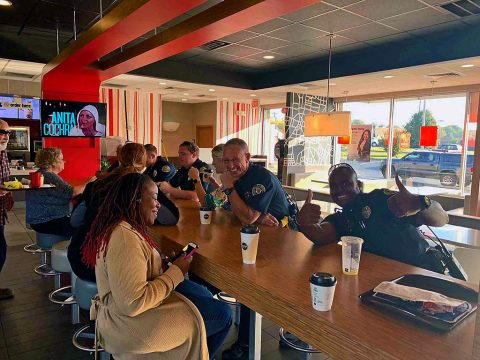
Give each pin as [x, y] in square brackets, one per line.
[181, 179]
[262, 191]
[162, 170]
[384, 234]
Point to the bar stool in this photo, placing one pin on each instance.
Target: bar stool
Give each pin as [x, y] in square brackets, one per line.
[84, 292]
[308, 350]
[60, 264]
[43, 246]
[224, 297]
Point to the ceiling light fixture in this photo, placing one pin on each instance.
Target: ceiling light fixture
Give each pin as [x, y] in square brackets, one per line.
[211, 90]
[5, 3]
[335, 123]
[186, 94]
[468, 65]
[184, 99]
[163, 83]
[269, 57]
[224, 98]
[253, 95]
[388, 76]
[332, 84]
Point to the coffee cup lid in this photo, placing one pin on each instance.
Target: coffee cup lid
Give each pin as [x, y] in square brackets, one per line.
[323, 279]
[250, 229]
[206, 208]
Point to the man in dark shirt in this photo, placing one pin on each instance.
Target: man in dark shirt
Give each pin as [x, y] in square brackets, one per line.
[387, 221]
[181, 186]
[158, 168]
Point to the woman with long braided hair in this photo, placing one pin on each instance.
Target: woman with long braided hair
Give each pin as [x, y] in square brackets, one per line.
[139, 315]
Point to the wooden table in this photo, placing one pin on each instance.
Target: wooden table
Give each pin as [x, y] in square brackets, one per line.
[278, 288]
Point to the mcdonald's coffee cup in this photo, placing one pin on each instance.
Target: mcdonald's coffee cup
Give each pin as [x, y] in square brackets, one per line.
[322, 287]
[249, 235]
[206, 215]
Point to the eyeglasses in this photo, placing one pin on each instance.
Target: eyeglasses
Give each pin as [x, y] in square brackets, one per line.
[341, 165]
[5, 132]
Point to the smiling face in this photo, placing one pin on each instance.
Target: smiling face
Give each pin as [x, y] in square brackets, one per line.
[185, 157]
[343, 186]
[86, 120]
[235, 160]
[149, 204]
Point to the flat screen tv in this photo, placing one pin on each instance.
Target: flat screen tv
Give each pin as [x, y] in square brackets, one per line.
[19, 108]
[73, 119]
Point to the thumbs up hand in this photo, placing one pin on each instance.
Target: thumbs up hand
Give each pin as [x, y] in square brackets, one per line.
[310, 213]
[403, 203]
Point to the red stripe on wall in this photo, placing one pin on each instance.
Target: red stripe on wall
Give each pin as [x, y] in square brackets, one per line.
[151, 118]
[110, 112]
[117, 127]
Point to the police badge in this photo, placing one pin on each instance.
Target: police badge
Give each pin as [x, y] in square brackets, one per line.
[366, 212]
[258, 189]
[166, 169]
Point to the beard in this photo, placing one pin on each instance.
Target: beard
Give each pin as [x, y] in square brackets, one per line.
[3, 145]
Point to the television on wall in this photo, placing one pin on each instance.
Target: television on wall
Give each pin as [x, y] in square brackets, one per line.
[19, 108]
[73, 119]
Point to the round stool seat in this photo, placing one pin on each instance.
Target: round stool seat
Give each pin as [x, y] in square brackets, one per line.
[60, 261]
[46, 241]
[84, 292]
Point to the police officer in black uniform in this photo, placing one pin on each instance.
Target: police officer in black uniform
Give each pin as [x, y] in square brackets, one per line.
[255, 195]
[387, 221]
[181, 186]
[158, 168]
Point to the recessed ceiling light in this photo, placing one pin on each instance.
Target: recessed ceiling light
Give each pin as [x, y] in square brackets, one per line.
[332, 84]
[224, 98]
[468, 65]
[162, 83]
[253, 95]
[269, 57]
[184, 99]
[186, 94]
[5, 3]
[212, 90]
[388, 76]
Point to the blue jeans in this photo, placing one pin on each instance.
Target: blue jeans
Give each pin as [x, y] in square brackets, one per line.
[3, 247]
[216, 315]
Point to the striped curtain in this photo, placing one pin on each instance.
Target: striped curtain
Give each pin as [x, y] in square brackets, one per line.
[144, 115]
[242, 120]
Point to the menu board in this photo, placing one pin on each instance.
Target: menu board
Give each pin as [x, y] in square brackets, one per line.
[16, 107]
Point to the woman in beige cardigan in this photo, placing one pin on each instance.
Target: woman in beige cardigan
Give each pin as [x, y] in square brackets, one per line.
[139, 315]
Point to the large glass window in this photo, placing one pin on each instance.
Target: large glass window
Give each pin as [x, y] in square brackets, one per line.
[274, 125]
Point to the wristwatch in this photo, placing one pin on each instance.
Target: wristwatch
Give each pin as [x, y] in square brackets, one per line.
[228, 191]
[425, 202]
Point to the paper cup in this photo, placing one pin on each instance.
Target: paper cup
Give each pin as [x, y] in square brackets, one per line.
[351, 251]
[249, 235]
[322, 288]
[205, 215]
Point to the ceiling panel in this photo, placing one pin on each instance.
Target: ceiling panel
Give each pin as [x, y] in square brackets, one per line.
[368, 32]
[322, 42]
[343, 2]
[264, 42]
[380, 9]
[295, 50]
[239, 36]
[237, 50]
[335, 21]
[270, 26]
[259, 57]
[309, 12]
[418, 19]
[296, 33]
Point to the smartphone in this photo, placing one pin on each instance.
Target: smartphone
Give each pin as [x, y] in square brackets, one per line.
[188, 251]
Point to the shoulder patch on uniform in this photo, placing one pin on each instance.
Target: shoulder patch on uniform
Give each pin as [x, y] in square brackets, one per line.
[166, 168]
[258, 189]
[388, 192]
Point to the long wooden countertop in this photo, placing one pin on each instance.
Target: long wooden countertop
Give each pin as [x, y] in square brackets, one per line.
[277, 287]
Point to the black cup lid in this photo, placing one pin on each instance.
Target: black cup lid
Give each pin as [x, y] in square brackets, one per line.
[250, 229]
[206, 208]
[323, 279]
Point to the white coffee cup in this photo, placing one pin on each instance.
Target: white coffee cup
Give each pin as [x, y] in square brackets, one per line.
[322, 288]
[249, 235]
[351, 251]
[206, 215]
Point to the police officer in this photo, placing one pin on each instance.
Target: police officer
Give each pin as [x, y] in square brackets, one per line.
[255, 195]
[181, 186]
[158, 168]
[387, 221]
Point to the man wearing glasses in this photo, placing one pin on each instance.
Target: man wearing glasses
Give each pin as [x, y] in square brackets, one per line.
[387, 221]
[5, 197]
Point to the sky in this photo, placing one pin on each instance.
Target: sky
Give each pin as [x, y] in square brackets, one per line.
[446, 110]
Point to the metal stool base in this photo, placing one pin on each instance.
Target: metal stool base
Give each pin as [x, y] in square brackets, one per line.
[62, 296]
[83, 333]
[284, 340]
[45, 270]
[35, 249]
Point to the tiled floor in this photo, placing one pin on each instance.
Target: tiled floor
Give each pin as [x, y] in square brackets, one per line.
[34, 328]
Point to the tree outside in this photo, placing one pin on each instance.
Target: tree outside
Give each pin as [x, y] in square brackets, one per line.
[415, 123]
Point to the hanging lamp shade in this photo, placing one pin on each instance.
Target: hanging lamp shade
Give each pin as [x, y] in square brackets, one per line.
[327, 124]
[429, 136]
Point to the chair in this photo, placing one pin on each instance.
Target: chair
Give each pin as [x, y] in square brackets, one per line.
[288, 340]
[61, 265]
[470, 260]
[84, 338]
[224, 297]
[43, 246]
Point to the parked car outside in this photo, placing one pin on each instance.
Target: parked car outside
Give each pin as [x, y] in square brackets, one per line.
[374, 141]
[450, 147]
[441, 165]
